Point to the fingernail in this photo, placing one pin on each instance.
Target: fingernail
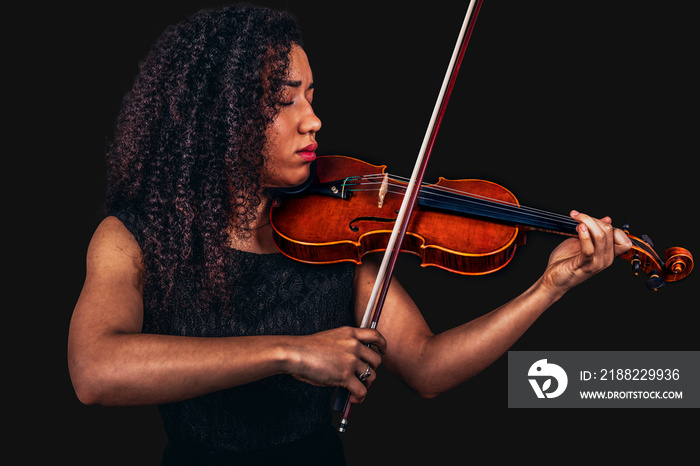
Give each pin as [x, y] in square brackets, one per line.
[574, 213]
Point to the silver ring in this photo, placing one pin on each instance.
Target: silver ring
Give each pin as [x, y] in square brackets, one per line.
[365, 375]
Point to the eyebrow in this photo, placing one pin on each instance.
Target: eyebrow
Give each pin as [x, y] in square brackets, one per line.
[297, 84]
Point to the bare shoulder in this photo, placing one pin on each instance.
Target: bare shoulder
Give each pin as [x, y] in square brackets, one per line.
[114, 249]
[112, 295]
[111, 233]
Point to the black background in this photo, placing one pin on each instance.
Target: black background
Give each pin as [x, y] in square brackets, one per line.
[591, 106]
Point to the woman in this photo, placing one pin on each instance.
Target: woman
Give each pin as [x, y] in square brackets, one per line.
[187, 303]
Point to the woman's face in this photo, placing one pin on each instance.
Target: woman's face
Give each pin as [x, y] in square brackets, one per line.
[292, 135]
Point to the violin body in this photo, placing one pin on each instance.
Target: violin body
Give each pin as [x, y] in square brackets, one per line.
[339, 218]
[336, 230]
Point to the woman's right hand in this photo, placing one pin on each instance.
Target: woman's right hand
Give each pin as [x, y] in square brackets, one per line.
[337, 358]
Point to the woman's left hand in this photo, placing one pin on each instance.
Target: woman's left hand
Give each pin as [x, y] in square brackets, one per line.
[577, 259]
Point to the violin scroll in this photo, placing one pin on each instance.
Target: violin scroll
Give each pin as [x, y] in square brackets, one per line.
[679, 261]
[677, 265]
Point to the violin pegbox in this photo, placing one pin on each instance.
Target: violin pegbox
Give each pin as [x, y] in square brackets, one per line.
[677, 263]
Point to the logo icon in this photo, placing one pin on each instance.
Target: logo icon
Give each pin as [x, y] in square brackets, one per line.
[542, 373]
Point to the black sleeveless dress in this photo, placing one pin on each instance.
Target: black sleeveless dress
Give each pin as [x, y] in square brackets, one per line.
[276, 420]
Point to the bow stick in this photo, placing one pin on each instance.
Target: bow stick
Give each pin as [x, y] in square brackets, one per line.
[386, 269]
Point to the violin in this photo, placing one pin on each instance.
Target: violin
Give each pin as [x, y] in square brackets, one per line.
[467, 226]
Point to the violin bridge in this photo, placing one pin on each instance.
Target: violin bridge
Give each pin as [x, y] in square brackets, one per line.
[382, 190]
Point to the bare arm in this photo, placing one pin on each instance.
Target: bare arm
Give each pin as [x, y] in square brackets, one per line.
[111, 362]
[432, 364]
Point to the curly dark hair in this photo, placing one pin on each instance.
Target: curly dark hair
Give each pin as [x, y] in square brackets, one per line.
[189, 144]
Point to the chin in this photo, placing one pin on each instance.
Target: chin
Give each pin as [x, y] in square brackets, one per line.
[286, 187]
[301, 176]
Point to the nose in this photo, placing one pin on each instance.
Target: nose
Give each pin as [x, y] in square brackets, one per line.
[310, 123]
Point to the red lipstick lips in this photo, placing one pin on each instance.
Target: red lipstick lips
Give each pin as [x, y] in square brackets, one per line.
[308, 153]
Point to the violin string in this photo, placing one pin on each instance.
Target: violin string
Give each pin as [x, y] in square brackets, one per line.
[457, 195]
[445, 191]
[506, 212]
[505, 207]
[498, 204]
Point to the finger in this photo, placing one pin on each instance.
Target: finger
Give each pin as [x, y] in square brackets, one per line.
[366, 378]
[600, 233]
[599, 230]
[604, 237]
[372, 337]
[584, 235]
[365, 372]
[358, 390]
[371, 357]
[622, 242]
[358, 386]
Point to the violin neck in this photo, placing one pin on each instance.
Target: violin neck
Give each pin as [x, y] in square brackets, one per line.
[512, 214]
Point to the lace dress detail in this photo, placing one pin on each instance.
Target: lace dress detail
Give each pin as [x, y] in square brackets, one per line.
[272, 295]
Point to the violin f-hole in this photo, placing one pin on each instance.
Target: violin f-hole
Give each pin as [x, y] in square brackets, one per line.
[368, 219]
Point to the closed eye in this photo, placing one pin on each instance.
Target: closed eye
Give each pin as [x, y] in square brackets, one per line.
[296, 85]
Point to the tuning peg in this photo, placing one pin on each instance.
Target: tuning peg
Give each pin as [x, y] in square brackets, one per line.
[647, 240]
[626, 227]
[636, 264]
[655, 282]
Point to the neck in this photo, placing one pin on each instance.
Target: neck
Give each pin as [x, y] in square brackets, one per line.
[258, 237]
